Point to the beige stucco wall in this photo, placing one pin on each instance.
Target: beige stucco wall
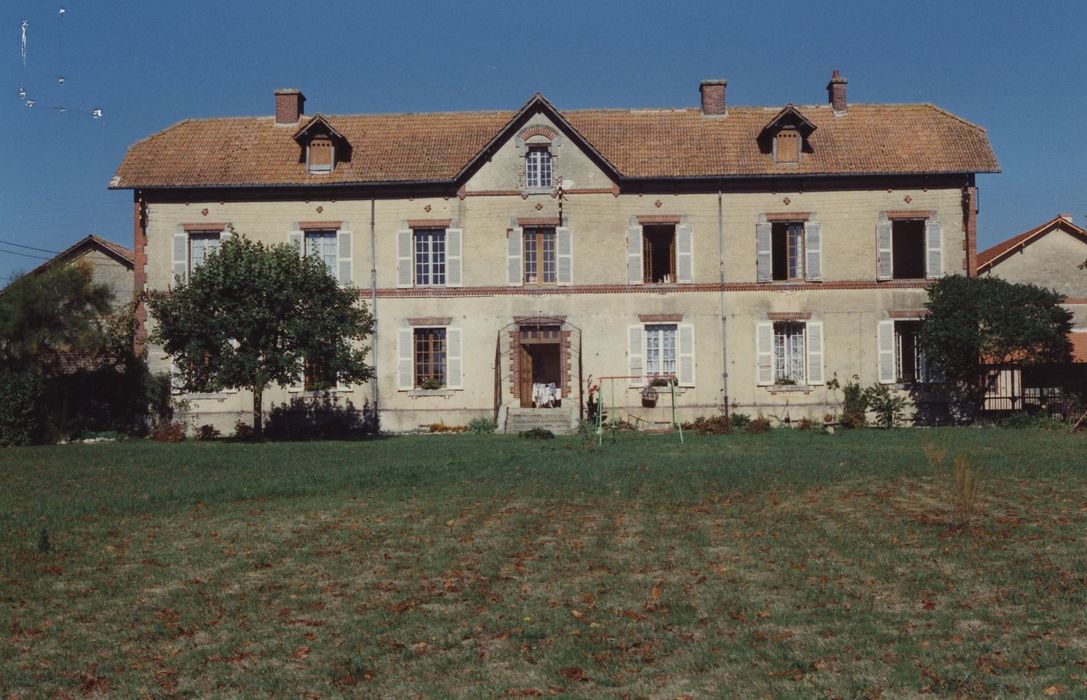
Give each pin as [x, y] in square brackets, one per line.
[108, 271]
[1051, 261]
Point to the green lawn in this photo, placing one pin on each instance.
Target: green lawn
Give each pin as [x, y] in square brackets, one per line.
[780, 565]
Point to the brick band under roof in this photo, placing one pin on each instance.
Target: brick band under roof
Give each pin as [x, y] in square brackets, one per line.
[642, 144]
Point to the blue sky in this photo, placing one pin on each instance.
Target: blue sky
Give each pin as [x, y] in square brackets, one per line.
[1018, 69]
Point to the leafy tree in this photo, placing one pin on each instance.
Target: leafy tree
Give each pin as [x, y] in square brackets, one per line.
[255, 315]
[974, 322]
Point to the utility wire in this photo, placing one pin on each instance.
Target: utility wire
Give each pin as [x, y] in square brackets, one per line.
[29, 247]
[25, 255]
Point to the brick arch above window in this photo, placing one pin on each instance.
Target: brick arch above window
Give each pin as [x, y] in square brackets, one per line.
[537, 130]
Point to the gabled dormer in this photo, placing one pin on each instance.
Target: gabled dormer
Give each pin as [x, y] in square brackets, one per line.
[322, 146]
[786, 137]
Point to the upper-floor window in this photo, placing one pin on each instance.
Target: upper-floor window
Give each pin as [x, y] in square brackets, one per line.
[322, 245]
[429, 257]
[538, 167]
[910, 248]
[201, 245]
[539, 255]
[320, 155]
[193, 246]
[787, 146]
[788, 251]
[659, 254]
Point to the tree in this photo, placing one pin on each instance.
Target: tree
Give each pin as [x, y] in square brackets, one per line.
[255, 315]
[974, 322]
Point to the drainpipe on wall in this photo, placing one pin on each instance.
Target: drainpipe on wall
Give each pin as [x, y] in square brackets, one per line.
[721, 272]
[373, 305]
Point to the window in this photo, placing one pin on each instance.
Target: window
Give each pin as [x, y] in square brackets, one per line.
[789, 353]
[660, 350]
[320, 155]
[539, 255]
[430, 358]
[910, 248]
[316, 377]
[201, 245]
[538, 167]
[429, 257]
[901, 360]
[788, 250]
[787, 146]
[659, 254]
[323, 246]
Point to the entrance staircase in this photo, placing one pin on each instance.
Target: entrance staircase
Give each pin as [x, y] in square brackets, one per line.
[560, 421]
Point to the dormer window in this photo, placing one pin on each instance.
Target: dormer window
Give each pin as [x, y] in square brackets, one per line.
[538, 167]
[787, 146]
[320, 155]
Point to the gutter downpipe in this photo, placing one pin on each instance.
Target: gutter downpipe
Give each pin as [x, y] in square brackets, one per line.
[721, 268]
[373, 309]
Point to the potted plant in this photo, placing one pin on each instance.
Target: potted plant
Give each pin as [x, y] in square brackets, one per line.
[649, 396]
[430, 384]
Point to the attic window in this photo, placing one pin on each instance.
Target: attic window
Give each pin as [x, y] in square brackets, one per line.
[320, 155]
[787, 146]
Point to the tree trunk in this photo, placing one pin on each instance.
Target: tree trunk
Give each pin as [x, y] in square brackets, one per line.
[258, 412]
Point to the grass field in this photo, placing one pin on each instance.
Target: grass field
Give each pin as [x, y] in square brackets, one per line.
[780, 565]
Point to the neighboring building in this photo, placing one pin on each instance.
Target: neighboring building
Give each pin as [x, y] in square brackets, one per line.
[753, 253]
[1050, 256]
[111, 264]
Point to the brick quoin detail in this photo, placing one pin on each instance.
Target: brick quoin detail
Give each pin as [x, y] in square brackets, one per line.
[139, 273]
[970, 208]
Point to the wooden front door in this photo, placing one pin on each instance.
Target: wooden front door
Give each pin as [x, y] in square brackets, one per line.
[525, 380]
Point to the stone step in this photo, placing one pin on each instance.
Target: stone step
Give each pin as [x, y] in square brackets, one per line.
[557, 420]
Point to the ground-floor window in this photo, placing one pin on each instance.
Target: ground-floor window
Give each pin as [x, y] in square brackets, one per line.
[790, 353]
[430, 358]
[660, 350]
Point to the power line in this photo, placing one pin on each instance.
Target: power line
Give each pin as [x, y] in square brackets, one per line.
[28, 247]
[25, 255]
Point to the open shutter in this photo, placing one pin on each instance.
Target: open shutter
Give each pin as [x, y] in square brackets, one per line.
[815, 353]
[883, 245]
[405, 367]
[403, 258]
[934, 245]
[636, 355]
[684, 253]
[343, 247]
[686, 354]
[887, 370]
[453, 244]
[813, 251]
[181, 257]
[514, 267]
[453, 363]
[764, 263]
[564, 256]
[764, 352]
[297, 240]
[635, 273]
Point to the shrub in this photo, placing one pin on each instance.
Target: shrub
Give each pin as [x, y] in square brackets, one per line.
[1028, 419]
[714, 425]
[243, 431]
[888, 407]
[21, 408]
[854, 404]
[208, 432]
[537, 434]
[739, 421]
[482, 426]
[441, 427]
[758, 425]
[168, 431]
[323, 417]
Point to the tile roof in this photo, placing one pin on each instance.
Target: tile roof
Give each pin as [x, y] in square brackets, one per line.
[92, 241]
[993, 255]
[651, 143]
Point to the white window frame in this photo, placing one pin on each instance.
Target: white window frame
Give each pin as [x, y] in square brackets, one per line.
[659, 338]
[429, 264]
[790, 352]
[539, 167]
[328, 252]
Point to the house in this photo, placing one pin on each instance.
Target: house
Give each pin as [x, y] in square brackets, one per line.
[111, 264]
[747, 254]
[1048, 255]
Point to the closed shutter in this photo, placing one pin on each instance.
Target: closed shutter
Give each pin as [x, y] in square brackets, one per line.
[405, 366]
[885, 250]
[887, 369]
[686, 354]
[343, 247]
[453, 245]
[454, 365]
[764, 352]
[813, 250]
[815, 372]
[635, 273]
[297, 240]
[403, 258]
[514, 268]
[764, 263]
[181, 257]
[225, 234]
[934, 244]
[564, 256]
[636, 355]
[684, 253]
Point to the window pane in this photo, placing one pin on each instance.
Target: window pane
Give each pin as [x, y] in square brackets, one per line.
[789, 352]
[548, 238]
[322, 245]
[430, 256]
[538, 167]
[430, 357]
[660, 349]
[201, 245]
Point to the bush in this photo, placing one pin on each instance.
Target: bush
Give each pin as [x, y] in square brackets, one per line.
[854, 403]
[320, 418]
[168, 431]
[758, 425]
[739, 421]
[888, 407]
[714, 425]
[1030, 419]
[208, 432]
[482, 426]
[21, 408]
[537, 434]
[243, 431]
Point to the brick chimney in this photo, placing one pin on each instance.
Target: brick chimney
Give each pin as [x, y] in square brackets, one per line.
[289, 106]
[836, 93]
[713, 96]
